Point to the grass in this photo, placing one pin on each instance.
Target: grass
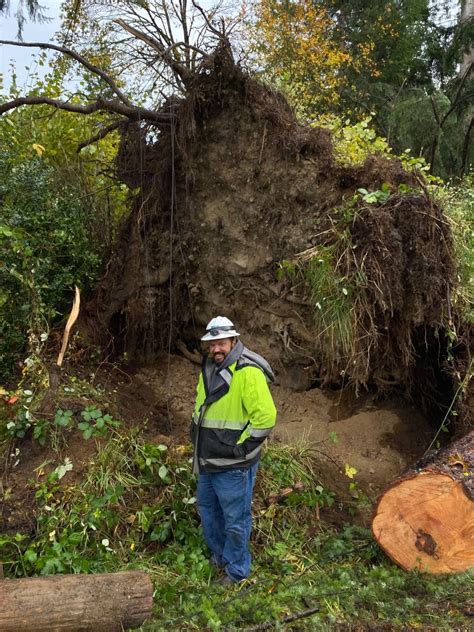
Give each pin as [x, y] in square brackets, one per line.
[458, 204]
[135, 508]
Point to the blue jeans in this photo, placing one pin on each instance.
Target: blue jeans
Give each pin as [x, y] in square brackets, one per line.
[225, 506]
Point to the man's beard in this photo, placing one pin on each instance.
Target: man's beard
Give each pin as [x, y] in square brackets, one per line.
[221, 358]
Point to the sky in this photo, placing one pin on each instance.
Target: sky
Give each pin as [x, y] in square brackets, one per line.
[32, 32]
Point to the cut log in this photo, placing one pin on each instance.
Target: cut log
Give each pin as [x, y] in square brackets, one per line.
[425, 519]
[106, 602]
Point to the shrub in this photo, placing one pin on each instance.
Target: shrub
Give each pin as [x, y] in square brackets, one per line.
[45, 249]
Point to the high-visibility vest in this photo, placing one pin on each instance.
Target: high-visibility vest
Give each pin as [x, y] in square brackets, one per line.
[229, 433]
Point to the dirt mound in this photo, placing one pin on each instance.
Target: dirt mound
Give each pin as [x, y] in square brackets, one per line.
[379, 438]
[234, 190]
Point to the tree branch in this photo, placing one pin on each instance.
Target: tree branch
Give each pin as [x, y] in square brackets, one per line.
[458, 93]
[220, 34]
[187, 47]
[465, 149]
[183, 73]
[101, 134]
[134, 112]
[70, 53]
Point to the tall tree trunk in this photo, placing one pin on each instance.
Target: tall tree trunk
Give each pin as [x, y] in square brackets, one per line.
[467, 66]
[467, 13]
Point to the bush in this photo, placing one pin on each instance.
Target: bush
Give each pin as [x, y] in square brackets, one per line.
[45, 249]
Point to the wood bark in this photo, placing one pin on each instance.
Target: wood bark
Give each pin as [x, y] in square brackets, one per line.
[425, 519]
[106, 602]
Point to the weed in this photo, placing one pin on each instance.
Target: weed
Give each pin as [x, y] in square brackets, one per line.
[95, 423]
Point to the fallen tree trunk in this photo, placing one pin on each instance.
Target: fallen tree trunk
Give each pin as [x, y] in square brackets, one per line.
[425, 519]
[105, 602]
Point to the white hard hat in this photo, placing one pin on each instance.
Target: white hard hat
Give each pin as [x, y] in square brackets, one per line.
[219, 327]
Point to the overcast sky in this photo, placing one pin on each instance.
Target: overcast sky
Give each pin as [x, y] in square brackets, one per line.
[32, 32]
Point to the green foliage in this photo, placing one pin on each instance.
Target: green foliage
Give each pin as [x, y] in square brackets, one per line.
[398, 61]
[415, 118]
[134, 495]
[375, 197]
[59, 213]
[353, 143]
[45, 249]
[283, 466]
[332, 297]
[458, 203]
[96, 424]
[126, 515]
[331, 292]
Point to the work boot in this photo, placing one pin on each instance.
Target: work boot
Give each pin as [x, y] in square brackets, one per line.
[215, 564]
[226, 581]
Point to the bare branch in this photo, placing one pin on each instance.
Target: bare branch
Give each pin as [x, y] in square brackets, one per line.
[70, 53]
[179, 69]
[220, 34]
[134, 113]
[458, 93]
[101, 134]
[187, 47]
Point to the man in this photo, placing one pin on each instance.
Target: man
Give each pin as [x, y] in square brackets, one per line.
[233, 414]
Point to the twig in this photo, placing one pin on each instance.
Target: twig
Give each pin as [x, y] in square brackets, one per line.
[288, 619]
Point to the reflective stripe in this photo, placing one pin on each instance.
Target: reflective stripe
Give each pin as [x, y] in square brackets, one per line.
[223, 424]
[224, 462]
[260, 432]
[226, 375]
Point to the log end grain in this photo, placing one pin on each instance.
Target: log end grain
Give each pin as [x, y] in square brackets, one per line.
[426, 522]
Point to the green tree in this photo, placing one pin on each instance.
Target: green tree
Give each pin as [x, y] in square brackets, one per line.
[59, 212]
[401, 67]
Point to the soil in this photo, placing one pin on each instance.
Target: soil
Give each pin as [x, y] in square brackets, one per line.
[235, 188]
[379, 438]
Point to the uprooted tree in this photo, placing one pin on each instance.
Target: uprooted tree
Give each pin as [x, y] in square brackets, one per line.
[242, 211]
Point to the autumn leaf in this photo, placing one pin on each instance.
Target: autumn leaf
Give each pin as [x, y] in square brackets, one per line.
[38, 148]
[349, 471]
[298, 45]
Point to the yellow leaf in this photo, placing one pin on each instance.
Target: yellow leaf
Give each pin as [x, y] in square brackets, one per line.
[38, 148]
[3, 391]
[349, 471]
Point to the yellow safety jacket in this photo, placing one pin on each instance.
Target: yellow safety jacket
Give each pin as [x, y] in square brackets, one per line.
[228, 433]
